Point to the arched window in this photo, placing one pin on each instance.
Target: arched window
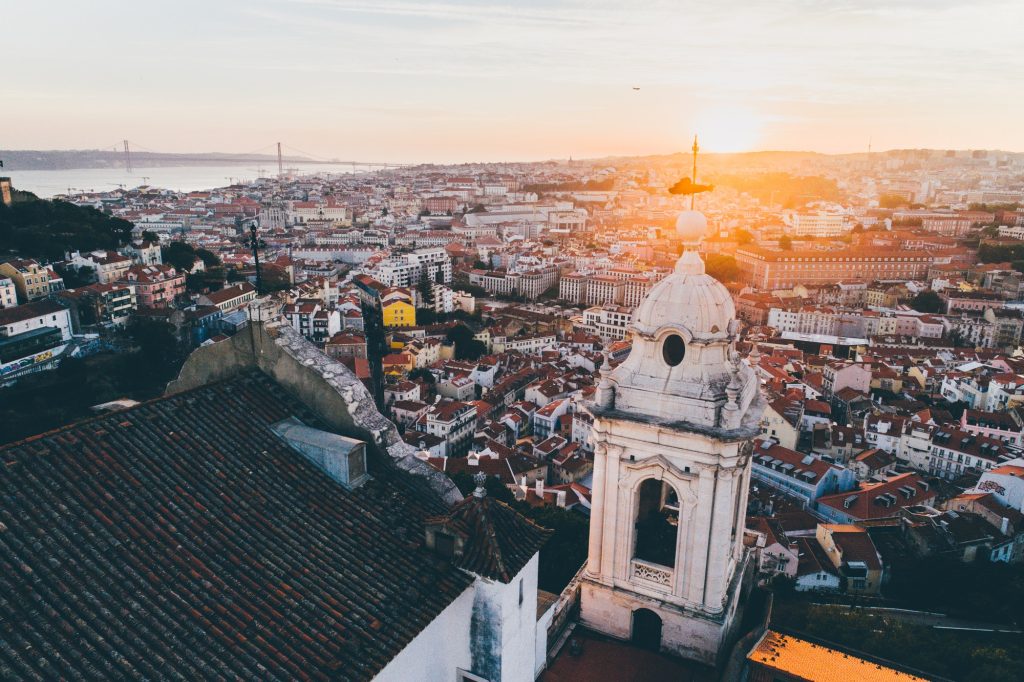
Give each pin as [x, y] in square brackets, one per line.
[657, 523]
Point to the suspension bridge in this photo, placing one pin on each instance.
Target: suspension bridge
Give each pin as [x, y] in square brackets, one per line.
[284, 154]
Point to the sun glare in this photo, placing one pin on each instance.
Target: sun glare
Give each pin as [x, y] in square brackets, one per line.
[728, 129]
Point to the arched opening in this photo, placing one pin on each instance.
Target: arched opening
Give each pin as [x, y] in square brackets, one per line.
[657, 523]
[646, 629]
[673, 350]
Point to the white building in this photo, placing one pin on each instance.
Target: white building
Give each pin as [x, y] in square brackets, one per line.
[32, 316]
[610, 322]
[672, 435]
[8, 293]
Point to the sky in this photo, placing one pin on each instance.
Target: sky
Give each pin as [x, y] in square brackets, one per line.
[448, 81]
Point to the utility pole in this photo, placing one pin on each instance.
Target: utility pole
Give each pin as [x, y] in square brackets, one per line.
[127, 158]
[280, 163]
[255, 243]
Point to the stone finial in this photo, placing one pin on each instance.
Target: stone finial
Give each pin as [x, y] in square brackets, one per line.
[605, 395]
[480, 478]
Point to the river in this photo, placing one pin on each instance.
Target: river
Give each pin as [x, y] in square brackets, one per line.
[46, 183]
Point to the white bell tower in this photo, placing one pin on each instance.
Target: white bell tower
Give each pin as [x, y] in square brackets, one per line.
[673, 429]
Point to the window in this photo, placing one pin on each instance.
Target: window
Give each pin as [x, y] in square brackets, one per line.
[445, 545]
[673, 350]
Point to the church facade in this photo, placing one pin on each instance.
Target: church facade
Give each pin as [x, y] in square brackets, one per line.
[673, 428]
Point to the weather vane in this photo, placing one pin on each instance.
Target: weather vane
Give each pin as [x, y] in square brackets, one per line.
[689, 185]
[255, 243]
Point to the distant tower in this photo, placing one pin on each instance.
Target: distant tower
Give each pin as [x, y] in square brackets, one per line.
[280, 163]
[673, 429]
[127, 157]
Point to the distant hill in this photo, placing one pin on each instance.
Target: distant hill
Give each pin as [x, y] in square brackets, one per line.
[28, 159]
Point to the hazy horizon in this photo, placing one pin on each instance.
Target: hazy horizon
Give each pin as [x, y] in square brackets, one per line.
[465, 82]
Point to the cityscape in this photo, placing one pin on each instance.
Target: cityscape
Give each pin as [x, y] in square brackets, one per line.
[722, 407]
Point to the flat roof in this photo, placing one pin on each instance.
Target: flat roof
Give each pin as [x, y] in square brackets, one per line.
[809, 661]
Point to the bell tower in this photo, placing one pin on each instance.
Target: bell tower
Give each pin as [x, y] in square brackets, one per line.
[673, 428]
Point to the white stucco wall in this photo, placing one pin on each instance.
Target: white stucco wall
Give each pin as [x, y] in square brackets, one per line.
[439, 650]
[518, 621]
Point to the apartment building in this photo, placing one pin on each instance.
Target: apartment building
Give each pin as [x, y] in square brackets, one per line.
[156, 286]
[31, 280]
[610, 322]
[769, 269]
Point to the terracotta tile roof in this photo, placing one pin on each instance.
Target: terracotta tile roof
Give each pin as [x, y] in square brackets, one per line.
[499, 541]
[800, 659]
[182, 538]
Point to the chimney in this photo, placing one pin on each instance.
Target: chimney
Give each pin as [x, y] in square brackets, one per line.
[538, 487]
[1005, 526]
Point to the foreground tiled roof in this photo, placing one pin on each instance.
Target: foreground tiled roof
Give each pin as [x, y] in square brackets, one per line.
[182, 539]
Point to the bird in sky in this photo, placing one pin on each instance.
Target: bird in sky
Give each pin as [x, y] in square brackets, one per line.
[635, 88]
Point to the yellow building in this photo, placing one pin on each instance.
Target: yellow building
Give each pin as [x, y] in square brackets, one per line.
[399, 314]
[853, 554]
[397, 308]
[31, 280]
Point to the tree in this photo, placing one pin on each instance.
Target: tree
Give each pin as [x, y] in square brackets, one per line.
[722, 267]
[466, 347]
[181, 255]
[927, 302]
[48, 229]
[743, 236]
[892, 201]
[150, 236]
[422, 373]
[785, 243]
[209, 258]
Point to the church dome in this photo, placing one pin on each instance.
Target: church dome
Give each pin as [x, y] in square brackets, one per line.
[690, 299]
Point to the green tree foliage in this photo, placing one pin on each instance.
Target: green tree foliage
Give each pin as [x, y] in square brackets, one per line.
[1000, 253]
[274, 278]
[149, 236]
[791, 191]
[927, 302]
[466, 347]
[743, 237]
[973, 657]
[209, 258]
[722, 267]
[180, 255]
[892, 201]
[77, 277]
[48, 229]
[422, 373]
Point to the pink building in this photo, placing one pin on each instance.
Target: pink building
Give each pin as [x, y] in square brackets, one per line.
[156, 286]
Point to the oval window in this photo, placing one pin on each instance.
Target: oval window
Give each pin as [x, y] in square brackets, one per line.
[673, 350]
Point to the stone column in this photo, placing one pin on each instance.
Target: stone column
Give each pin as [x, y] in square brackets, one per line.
[719, 541]
[610, 541]
[696, 552]
[597, 511]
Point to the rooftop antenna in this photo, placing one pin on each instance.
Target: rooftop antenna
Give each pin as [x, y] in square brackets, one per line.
[693, 178]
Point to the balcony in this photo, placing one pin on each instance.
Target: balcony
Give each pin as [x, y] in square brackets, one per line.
[652, 575]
